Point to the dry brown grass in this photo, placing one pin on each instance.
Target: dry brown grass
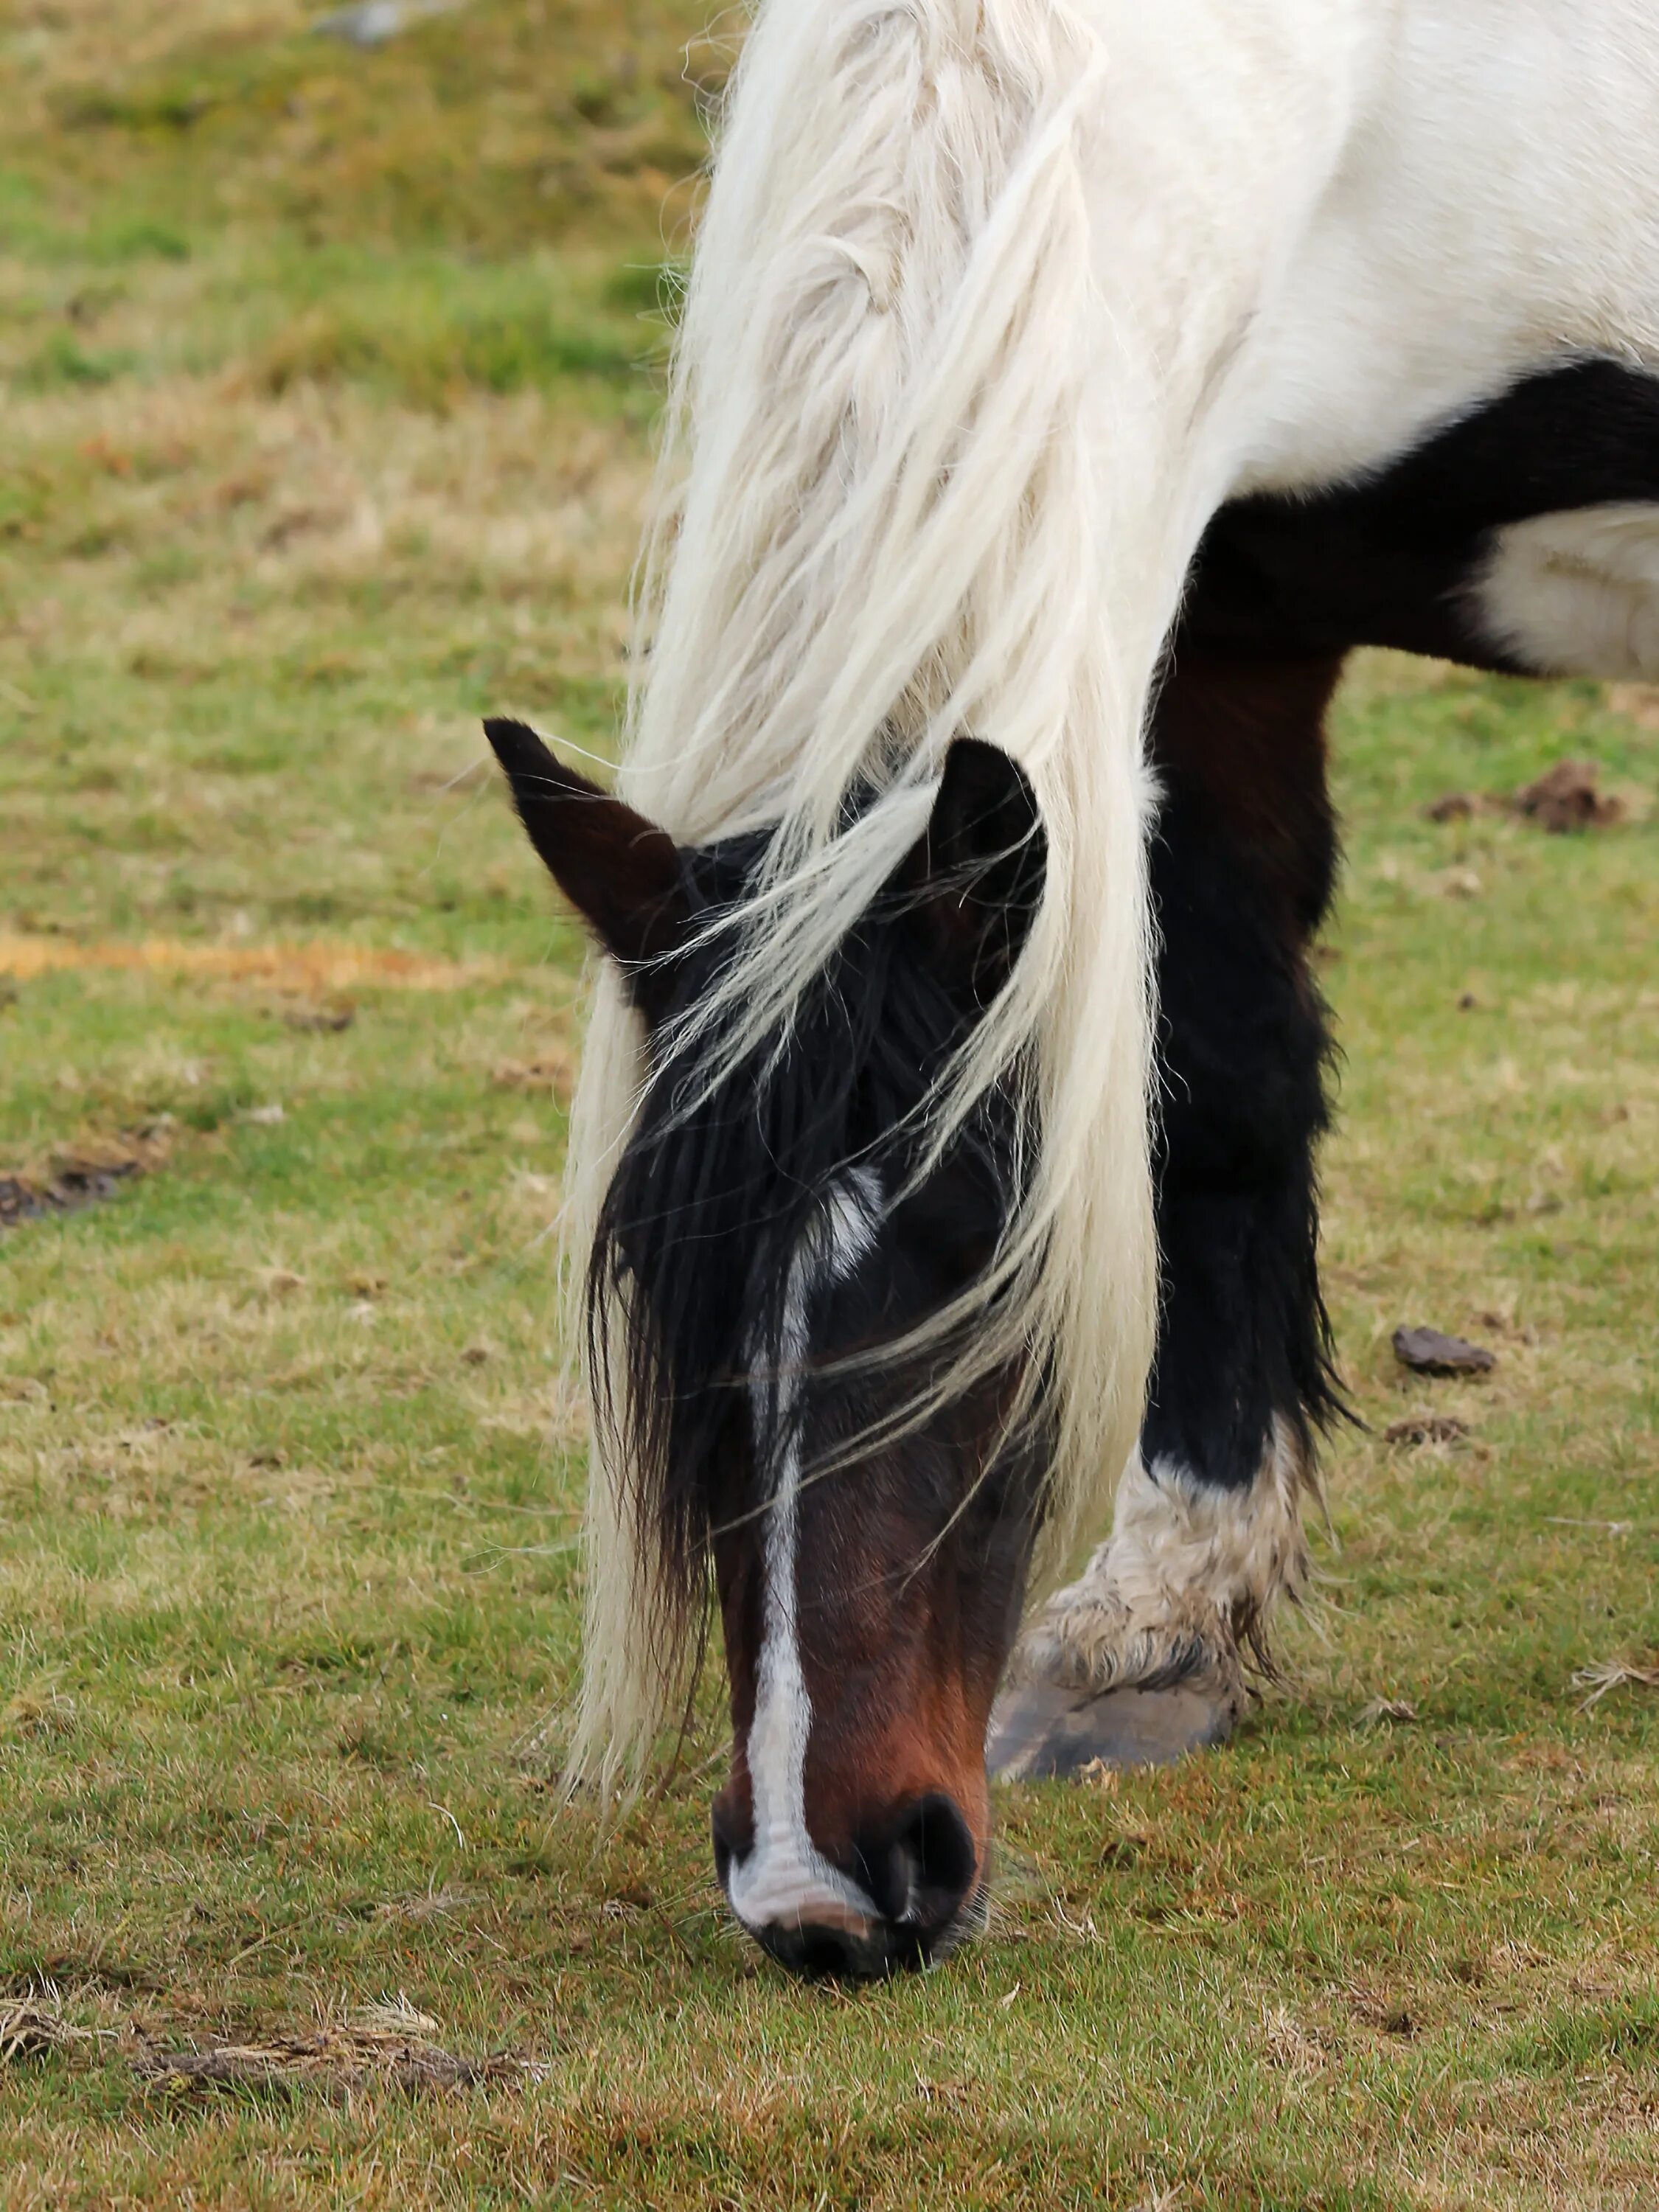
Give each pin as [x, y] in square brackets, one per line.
[301, 969]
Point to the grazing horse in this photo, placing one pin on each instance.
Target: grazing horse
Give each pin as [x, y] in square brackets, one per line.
[1064, 388]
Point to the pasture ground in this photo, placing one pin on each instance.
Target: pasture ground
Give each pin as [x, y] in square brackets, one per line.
[323, 432]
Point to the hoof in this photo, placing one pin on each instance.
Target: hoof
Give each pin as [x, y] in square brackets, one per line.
[1039, 1730]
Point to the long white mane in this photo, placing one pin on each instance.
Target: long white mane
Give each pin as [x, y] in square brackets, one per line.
[878, 528]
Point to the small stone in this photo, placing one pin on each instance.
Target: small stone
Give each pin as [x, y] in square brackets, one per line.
[1428, 1352]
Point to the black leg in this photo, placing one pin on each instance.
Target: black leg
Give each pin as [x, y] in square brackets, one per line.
[1242, 861]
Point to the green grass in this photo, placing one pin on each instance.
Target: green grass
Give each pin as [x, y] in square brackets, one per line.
[321, 437]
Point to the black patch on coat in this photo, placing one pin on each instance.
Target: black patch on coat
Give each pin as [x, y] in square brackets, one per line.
[1394, 558]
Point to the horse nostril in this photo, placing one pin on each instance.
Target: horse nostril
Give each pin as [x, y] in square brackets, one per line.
[937, 1841]
[826, 1951]
[920, 1869]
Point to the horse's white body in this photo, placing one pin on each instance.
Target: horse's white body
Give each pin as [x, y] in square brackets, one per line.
[995, 302]
[1336, 225]
[1494, 201]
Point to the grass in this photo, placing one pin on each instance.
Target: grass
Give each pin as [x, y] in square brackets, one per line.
[325, 432]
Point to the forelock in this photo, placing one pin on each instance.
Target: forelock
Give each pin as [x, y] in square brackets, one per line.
[718, 1183]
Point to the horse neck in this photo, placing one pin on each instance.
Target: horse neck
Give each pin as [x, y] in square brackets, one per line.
[938, 242]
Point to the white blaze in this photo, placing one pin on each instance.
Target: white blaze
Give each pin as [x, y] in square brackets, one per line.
[786, 1878]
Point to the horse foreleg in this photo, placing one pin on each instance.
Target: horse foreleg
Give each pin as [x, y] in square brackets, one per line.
[1144, 1656]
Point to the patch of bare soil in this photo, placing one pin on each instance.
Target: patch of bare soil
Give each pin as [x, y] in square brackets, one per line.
[310, 971]
[82, 1174]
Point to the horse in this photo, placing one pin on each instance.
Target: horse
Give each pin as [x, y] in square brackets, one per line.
[1063, 389]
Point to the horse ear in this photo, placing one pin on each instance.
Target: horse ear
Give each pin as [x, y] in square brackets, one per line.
[975, 875]
[620, 871]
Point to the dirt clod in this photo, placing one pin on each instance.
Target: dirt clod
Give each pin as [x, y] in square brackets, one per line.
[1566, 797]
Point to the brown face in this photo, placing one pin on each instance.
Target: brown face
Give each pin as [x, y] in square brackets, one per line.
[867, 1614]
[758, 1257]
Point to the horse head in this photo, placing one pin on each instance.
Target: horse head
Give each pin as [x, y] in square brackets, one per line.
[786, 1260]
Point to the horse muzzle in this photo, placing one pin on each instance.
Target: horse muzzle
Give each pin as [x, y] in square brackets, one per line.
[909, 1889]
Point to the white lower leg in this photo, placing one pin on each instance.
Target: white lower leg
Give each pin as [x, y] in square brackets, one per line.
[1190, 1574]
